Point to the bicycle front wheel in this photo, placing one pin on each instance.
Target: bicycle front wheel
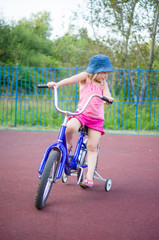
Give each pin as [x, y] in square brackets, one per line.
[47, 179]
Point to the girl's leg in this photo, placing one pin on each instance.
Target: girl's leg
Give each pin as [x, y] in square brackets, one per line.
[93, 141]
[73, 126]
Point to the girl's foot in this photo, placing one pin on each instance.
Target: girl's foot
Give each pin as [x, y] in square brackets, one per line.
[87, 183]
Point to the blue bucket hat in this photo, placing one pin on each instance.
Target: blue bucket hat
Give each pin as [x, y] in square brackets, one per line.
[99, 63]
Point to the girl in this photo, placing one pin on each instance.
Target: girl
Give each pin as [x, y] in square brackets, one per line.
[91, 81]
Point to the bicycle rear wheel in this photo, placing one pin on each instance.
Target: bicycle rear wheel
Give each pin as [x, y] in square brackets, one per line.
[47, 179]
[82, 161]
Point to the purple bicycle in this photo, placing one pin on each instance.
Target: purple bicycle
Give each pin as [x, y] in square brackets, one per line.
[57, 163]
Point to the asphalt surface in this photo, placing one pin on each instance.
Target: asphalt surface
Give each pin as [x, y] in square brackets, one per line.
[130, 211]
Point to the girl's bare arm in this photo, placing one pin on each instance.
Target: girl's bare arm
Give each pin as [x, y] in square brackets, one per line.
[106, 92]
[68, 81]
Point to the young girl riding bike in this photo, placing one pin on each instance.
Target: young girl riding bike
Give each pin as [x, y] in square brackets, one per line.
[91, 81]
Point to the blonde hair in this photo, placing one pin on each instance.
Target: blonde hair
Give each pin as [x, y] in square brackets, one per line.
[92, 76]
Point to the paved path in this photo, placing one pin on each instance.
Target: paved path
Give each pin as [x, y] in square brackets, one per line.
[130, 211]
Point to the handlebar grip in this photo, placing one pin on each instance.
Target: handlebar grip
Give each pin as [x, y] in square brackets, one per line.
[106, 99]
[42, 86]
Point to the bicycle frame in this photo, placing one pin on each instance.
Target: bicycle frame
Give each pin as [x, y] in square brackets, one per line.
[57, 162]
[59, 145]
[62, 147]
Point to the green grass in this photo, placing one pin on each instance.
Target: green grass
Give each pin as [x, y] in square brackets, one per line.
[40, 112]
[32, 112]
[126, 116]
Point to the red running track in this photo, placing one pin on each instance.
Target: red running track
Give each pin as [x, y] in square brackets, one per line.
[130, 211]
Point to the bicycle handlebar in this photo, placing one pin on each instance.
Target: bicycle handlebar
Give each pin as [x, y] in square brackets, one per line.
[71, 113]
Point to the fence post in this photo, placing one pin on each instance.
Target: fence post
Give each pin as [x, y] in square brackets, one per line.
[16, 96]
[76, 89]
[137, 98]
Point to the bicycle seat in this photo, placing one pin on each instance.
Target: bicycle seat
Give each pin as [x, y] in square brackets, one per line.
[84, 129]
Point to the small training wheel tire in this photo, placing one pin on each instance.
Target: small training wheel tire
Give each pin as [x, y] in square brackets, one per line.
[108, 184]
[64, 177]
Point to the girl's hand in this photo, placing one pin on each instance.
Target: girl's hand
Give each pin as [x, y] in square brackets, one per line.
[110, 100]
[52, 84]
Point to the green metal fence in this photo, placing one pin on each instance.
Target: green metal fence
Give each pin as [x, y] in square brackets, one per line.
[136, 93]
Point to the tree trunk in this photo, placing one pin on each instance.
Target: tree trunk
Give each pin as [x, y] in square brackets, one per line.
[153, 34]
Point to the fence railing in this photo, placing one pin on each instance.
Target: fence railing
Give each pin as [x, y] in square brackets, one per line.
[136, 93]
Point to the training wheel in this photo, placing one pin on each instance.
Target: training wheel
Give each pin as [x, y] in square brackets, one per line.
[108, 184]
[64, 177]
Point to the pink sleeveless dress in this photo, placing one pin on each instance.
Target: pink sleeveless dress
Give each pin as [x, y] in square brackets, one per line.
[95, 108]
[93, 116]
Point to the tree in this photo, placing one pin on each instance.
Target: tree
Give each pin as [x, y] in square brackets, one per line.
[115, 18]
[28, 42]
[76, 49]
[39, 23]
[126, 21]
[5, 37]
[153, 35]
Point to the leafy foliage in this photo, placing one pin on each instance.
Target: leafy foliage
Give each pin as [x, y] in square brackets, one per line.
[119, 30]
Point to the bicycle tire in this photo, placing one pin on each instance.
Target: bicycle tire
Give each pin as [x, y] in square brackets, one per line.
[47, 179]
[84, 161]
[64, 177]
[83, 153]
